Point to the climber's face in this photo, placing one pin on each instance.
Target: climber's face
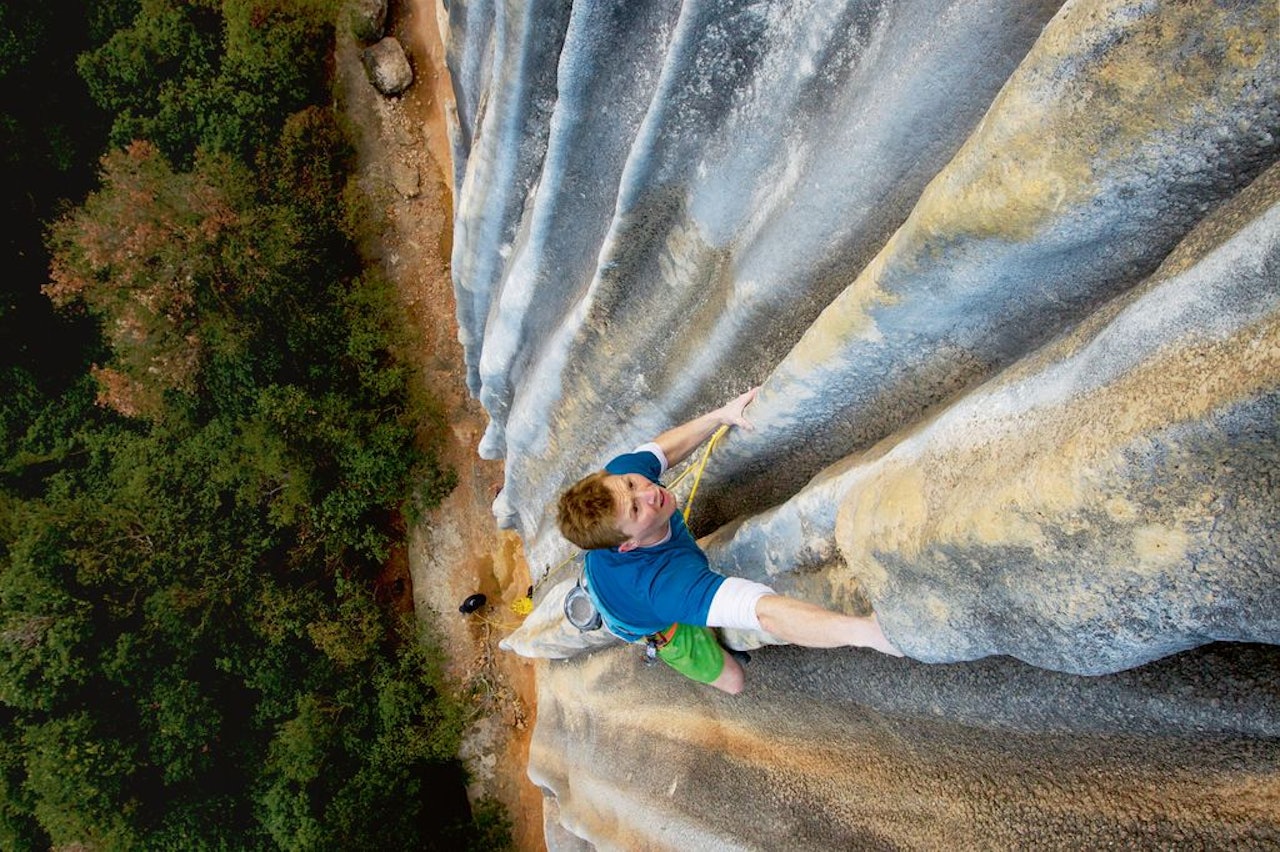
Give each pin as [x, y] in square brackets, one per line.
[643, 509]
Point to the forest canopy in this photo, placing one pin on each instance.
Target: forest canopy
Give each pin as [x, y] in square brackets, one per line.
[209, 444]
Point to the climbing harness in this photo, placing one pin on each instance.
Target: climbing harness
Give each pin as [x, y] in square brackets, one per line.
[655, 642]
[650, 652]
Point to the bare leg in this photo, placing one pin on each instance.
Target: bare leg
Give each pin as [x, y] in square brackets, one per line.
[732, 678]
[802, 623]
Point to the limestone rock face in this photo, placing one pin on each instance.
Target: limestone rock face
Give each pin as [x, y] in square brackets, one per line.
[848, 750]
[1008, 274]
[875, 210]
[1109, 500]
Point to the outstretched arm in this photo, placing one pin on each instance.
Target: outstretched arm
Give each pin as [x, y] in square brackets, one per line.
[803, 623]
[677, 443]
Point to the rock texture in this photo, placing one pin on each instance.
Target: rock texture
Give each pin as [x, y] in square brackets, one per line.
[387, 66]
[841, 750]
[1111, 499]
[1009, 275]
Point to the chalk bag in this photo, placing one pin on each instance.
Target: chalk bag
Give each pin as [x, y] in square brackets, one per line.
[579, 609]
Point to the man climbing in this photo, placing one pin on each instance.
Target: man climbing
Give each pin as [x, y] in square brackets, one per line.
[650, 580]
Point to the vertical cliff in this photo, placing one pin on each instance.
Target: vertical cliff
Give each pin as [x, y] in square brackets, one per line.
[1009, 275]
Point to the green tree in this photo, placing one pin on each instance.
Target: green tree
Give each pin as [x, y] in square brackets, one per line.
[219, 76]
[79, 780]
[191, 655]
[18, 827]
[46, 627]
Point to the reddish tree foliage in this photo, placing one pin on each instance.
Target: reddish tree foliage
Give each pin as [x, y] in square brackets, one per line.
[145, 253]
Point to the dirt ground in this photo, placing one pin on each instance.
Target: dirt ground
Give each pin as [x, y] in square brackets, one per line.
[456, 550]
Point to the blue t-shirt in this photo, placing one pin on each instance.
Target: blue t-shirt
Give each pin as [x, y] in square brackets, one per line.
[648, 589]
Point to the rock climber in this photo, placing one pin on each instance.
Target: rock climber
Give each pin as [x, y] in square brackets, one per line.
[651, 581]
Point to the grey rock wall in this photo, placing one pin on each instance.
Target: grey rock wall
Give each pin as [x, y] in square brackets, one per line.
[1009, 276]
[847, 750]
[1109, 500]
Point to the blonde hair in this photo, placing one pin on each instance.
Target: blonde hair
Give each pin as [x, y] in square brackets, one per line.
[587, 514]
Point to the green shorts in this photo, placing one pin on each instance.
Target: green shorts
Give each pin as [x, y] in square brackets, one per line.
[695, 652]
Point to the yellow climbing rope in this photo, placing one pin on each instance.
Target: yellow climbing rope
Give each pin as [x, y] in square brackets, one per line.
[501, 625]
[702, 463]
